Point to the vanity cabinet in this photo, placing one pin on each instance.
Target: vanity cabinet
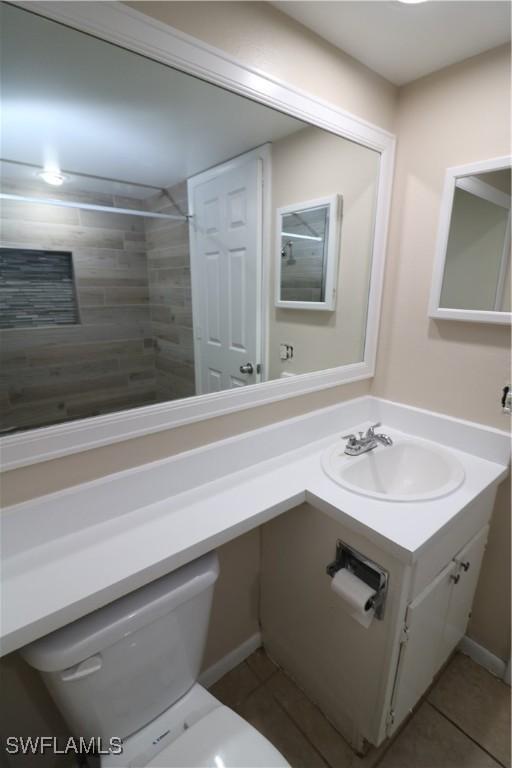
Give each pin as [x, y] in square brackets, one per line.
[435, 622]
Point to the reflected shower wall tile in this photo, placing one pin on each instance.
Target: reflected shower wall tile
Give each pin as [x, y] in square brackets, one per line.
[39, 235]
[127, 295]
[100, 363]
[116, 315]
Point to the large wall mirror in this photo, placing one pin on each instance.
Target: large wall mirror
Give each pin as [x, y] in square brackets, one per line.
[137, 253]
[472, 271]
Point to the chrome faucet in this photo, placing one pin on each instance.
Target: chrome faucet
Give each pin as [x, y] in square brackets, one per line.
[364, 443]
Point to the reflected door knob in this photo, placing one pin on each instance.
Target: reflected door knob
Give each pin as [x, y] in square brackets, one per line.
[247, 368]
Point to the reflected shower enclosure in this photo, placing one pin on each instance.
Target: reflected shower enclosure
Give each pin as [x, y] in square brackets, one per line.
[104, 322]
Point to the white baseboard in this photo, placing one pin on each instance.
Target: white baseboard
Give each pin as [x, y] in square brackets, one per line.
[477, 652]
[485, 658]
[230, 660]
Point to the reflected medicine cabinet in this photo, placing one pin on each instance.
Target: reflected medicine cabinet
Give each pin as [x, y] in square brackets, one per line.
[471, 279]
[307, 254]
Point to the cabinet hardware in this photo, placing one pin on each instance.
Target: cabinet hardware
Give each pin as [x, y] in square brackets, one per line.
[455, 579]
[465, 565]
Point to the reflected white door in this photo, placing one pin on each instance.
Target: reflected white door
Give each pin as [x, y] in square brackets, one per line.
[225, 237]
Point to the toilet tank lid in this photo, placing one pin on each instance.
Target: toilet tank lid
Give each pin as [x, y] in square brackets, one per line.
[102, 628]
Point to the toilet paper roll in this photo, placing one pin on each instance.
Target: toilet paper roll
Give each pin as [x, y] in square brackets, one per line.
[356, 595]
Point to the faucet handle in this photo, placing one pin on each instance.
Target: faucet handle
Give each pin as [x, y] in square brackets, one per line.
[372, 429]
[351, 438]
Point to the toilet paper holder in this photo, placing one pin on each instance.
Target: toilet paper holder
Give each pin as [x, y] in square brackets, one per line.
[372, 574]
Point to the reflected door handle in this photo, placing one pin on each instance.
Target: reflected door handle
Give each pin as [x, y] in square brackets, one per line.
[247, 368]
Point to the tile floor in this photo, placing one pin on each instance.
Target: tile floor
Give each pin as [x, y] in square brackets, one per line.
[463, 722]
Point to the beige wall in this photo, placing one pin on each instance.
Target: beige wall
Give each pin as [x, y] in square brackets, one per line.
[27, 709]
[236, 600]
[490, 620]
[261, 36]
[453, 117]
[312, 164]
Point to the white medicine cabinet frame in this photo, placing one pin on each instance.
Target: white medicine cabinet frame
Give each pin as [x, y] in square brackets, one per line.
[329, 239]
[461, 177]
[117, 23]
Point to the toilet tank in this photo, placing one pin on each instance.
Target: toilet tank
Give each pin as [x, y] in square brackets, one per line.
[116, 669]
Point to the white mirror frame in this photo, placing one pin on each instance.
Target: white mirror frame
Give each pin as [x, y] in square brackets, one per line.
[334, 204]
[457, 176]
[118, 23]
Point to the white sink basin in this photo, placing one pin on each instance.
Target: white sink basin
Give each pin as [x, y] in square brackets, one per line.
[409, 470]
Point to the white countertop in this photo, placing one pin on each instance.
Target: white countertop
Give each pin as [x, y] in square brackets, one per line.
[69, 553]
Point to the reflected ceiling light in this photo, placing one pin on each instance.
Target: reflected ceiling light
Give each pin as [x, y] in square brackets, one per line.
[55, 178]
[301, 237]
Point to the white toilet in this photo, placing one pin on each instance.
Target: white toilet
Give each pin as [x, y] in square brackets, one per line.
[130, 670]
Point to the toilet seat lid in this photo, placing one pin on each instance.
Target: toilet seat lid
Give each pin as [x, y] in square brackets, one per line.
[221, 739]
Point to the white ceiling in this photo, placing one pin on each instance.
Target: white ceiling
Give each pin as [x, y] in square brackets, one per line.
[83, 105]
[405, 41]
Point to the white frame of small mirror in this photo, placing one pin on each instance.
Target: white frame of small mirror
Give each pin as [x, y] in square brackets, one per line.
[122, 25]
[331, 252]
[457, 176]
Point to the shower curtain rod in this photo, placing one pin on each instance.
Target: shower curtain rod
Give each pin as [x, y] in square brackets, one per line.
[92, 207]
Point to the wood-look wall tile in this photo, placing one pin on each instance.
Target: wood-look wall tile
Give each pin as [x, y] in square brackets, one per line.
[117, 314]
[127, 295]
[118, 221]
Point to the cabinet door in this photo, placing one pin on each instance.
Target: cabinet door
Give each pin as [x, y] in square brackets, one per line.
[422, 650]
[468, 561]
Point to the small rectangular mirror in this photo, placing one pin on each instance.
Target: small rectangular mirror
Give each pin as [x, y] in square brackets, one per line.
[472, 272]
[308, 254]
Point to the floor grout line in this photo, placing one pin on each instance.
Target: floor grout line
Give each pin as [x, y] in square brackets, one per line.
[292, 719]
[299, 728]
[399, 732]
[467, 735]
[317, 708]
[288, 714]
